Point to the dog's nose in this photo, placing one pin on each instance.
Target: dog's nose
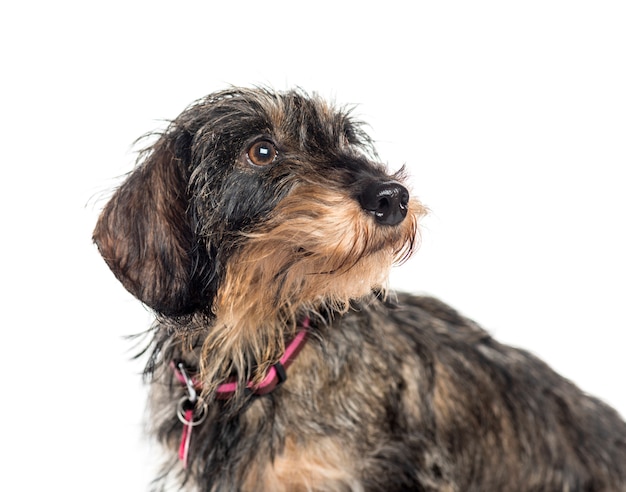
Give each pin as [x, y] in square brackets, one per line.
[387, 201]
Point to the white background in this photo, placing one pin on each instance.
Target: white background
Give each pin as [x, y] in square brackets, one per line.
[511, 117]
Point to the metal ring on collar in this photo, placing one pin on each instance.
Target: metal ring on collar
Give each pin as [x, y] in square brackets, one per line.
[200, 411]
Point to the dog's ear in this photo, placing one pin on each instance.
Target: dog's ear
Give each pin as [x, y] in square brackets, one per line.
[144, 233]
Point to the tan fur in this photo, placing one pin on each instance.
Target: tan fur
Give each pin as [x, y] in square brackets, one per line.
[319, 466]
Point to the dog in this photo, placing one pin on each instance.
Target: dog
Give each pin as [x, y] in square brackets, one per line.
[260, 228]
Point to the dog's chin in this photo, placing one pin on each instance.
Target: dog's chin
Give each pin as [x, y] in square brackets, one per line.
[357, 280]
[263, 290]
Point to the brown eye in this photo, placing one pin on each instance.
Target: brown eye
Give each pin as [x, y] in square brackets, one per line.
[262, 153]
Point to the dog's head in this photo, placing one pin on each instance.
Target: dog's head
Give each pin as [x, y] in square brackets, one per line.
[253, 204]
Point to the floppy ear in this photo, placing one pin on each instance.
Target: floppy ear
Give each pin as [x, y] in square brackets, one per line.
[144, 233]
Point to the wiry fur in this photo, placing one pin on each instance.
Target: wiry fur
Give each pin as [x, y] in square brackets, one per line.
[392, 392]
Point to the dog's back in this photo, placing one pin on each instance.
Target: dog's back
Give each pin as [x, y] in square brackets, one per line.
[502, 419]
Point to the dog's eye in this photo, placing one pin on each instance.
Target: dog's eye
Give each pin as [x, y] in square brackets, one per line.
[262, 153]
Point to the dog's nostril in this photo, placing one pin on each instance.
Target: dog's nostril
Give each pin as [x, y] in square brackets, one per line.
[387, 202]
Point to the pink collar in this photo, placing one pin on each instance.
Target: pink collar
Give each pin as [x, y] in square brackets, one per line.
[192, 410]
[276, 375]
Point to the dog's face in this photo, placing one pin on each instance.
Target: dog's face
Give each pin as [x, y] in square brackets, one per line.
[254, 205]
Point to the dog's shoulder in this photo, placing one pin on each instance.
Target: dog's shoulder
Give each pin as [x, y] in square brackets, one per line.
[430, 316]
[431, 305]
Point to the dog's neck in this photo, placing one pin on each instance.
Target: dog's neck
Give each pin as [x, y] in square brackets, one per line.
[192, 409]
[275, 376]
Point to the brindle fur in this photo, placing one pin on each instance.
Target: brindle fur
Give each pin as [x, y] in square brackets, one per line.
[393, 392]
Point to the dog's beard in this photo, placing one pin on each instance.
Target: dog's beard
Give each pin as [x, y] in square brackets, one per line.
[317, 250]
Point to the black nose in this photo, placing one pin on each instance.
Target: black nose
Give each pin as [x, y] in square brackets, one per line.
[387, 201]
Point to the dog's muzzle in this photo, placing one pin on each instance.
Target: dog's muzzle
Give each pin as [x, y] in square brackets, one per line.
[387, 201]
